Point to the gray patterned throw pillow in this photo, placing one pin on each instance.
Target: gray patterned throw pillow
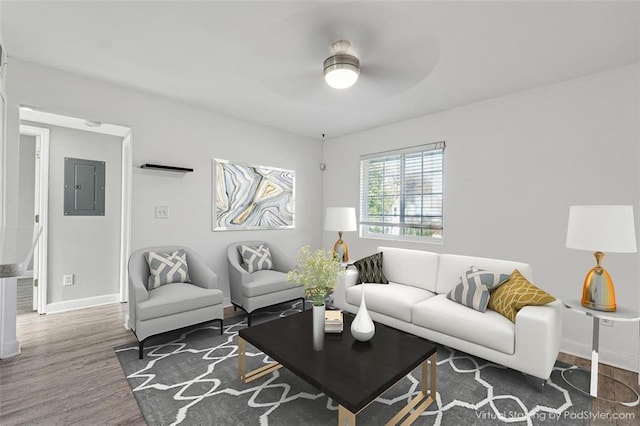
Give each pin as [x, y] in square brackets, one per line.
[474, 287]
[256, 258]
[167, 268]
[370, 269]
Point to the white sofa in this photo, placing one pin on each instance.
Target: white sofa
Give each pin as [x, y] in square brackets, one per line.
[415, 301]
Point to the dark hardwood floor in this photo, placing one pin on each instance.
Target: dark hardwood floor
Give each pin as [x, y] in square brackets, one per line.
[69, 374]
[608, 413]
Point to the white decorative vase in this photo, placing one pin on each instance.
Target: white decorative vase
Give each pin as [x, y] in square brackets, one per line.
[318, 327]
[362, 327]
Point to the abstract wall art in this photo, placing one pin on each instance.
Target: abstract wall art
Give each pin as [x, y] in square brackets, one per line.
[252, 197]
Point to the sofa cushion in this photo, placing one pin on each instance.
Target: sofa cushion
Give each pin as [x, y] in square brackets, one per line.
[165, 268]
[175, 298]
[394, 300]
[452, 266]
[256, 258]
[370, 269]
[265, 282]
[474, 286]
[515, 294]
[488, 328]
[416, 268]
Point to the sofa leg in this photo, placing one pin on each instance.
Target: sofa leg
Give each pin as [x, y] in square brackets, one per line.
[303, 304]
[535, 382]
[140, 350]
[248, 319]
[235, 308]
[221, 326]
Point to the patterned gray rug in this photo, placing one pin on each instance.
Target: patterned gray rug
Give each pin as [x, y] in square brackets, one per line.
[190, 378]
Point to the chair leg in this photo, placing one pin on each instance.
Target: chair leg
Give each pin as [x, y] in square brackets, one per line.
[221, 326]
[140, 349]
[303, 304]
[248, 319]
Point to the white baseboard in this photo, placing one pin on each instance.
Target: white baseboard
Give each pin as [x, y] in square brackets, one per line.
[71, 305]
[9, 349]
[615, 359]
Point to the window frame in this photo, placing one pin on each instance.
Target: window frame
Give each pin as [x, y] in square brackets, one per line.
[400, 155]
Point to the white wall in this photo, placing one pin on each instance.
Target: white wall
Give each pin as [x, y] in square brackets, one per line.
[26, 182]
[173, 133]
[513, 166]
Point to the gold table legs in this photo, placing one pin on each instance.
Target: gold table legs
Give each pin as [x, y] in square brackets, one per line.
[417, 404]
[245, 376]
[346, 417]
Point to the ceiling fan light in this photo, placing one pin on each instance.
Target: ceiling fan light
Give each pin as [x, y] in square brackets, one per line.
[341, 71]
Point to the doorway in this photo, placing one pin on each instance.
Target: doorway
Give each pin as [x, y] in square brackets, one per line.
[34, 149]
[49, 295]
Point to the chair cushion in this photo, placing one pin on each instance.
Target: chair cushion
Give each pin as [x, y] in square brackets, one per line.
[515, 294]
[489, 329]
[256, 258]
[370, 269]
[265, 282]
[394, 300]
[174, 298]
[474, 286]
[167, 268]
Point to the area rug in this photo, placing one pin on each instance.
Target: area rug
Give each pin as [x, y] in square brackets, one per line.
[190, 378]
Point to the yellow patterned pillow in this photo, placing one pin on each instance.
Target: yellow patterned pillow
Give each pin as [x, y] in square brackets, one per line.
[516, 293]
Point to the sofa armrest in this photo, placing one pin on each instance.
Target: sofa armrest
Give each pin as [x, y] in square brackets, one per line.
[200, 273]
[538, 334]
[346, 280]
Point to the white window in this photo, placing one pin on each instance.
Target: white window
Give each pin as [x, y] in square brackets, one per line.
[401, 193]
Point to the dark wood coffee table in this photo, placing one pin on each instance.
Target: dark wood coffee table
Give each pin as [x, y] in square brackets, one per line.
[351, 373]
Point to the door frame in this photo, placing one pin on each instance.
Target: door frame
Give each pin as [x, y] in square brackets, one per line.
[41, 209]
[31, 114]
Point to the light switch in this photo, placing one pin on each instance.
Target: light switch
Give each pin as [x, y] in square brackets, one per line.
[162, 212]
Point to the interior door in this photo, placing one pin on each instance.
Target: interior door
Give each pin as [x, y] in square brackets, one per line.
[36, 220]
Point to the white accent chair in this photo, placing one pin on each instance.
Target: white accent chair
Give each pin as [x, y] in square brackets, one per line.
[175, 305]
[260, 289]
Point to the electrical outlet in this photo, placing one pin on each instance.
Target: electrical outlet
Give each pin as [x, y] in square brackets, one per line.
[162, 212]
[67, 279]
[606, 322]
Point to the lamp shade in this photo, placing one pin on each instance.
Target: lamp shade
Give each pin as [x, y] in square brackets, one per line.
[602, 228]
[340, 219]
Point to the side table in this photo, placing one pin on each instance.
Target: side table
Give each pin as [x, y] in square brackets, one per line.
[621, 314]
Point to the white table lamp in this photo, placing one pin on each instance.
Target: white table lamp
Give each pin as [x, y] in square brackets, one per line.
[341, 219]
[599, 229]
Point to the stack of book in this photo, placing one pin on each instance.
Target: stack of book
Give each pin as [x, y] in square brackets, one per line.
[333, 322]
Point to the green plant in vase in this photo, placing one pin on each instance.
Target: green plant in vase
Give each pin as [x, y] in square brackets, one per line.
[317, 271]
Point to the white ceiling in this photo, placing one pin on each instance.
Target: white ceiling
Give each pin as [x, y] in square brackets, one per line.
[262, 61]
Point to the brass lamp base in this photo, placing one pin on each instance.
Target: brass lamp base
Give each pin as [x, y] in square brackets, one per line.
[598, 292]
[340, 249]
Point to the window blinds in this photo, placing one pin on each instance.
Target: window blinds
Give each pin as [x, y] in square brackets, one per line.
[401, 192]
